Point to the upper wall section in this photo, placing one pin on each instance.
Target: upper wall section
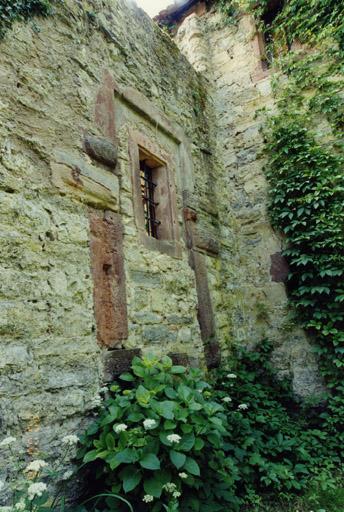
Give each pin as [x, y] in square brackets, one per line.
[248, 285]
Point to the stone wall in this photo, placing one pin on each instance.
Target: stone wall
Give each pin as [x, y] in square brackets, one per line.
[82, 287]
[75, 278]
[247, 283]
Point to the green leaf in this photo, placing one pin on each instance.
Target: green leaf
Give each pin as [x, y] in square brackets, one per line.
[170, 393]
[184, 392]
[178, 459]
[187, 442]
[131, 478]
[128, 377]
[126, 456]
[135, 417]
[150, 461]
[153, 486]
[91, 456]
[178, 369]
[169, 425]
[165, 409]
[192, 467]
[143, 395]
[199, 444]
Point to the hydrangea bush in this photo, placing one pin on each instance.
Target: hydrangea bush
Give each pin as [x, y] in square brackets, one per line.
[159, 441]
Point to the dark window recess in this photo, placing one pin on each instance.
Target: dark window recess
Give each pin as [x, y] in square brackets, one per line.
[148, 192]
[273, 9]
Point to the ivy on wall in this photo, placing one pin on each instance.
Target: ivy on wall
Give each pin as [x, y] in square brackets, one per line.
[305, 168]
[20, 10]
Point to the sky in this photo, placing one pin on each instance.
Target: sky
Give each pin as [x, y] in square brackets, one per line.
[153, 7]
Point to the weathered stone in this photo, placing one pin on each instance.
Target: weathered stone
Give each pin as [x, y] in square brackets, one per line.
[158, 334]
[204, 307]
[279, 268]
[146, 278]
[87, 183]
[206, 243]
[101, 149]
[148, 318]
[184, 359]
[117, 361]
[109, 278]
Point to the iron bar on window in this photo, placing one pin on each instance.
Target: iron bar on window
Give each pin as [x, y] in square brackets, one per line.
[149, 205]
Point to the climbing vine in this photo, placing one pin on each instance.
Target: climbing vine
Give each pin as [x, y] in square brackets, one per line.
[20, 10]
[304, 150]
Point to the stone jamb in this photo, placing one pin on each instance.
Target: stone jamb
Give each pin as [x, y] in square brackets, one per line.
[258, 46]
[109, 283]
[205, 312]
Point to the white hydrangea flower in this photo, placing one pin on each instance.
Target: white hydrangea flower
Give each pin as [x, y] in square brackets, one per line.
[36, 489]
[227, 399]
[103, 390]
[122, 427]
[231, 376]
[70, 440]
[183, 475]
[148, 498]
[170, 487]
[7, 441]
[149, 424]
[20, 506]
[174, 438]
[176, 494]
[243, 407]
[6, 509]
[36, 465]
[67, 474]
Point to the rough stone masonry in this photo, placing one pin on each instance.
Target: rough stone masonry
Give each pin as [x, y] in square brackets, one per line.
[83, 101]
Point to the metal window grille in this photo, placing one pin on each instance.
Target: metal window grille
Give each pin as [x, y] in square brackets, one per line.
[149, 205]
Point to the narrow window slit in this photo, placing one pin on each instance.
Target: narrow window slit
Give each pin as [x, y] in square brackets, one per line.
[148, 189]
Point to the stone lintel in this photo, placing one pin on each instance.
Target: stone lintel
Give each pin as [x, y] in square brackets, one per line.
[140, 104]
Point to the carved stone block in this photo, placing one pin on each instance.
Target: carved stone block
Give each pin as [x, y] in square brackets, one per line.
[101, 149]
[87, 183]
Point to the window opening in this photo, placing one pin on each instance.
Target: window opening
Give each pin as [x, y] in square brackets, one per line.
[273, 8]
[148, 194]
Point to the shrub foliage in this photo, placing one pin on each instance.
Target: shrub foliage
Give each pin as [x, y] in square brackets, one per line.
[169, 439]
[160, 440]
